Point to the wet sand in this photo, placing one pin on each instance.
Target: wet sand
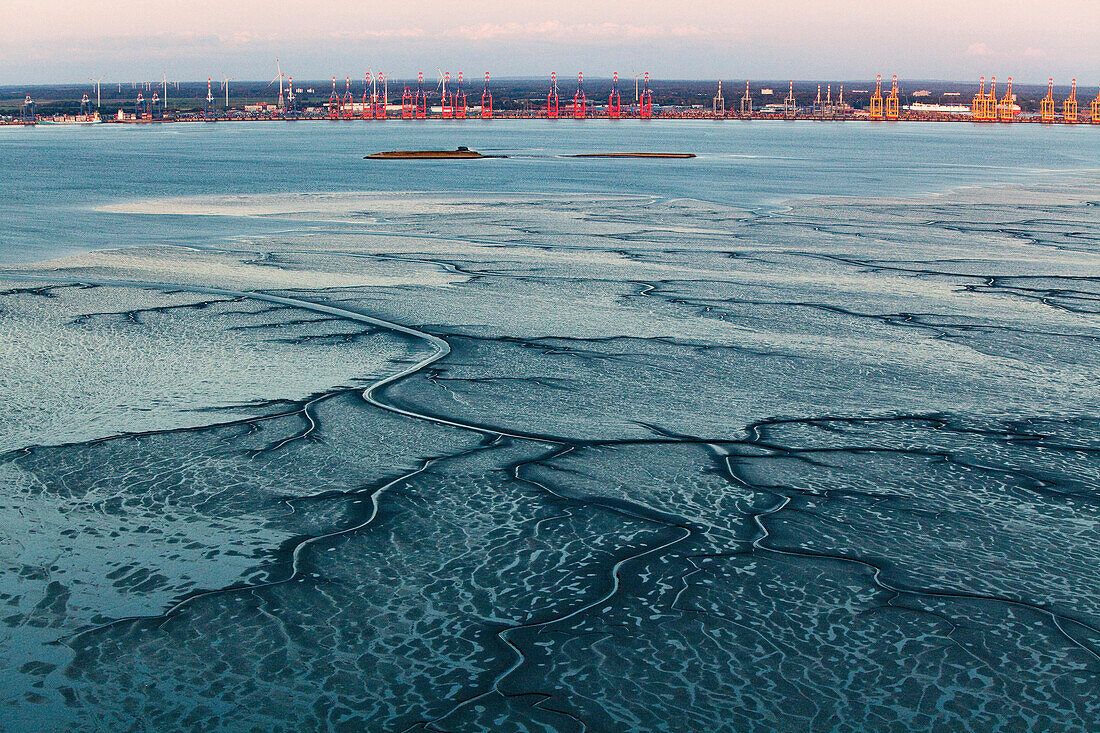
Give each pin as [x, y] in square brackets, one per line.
[574, 460]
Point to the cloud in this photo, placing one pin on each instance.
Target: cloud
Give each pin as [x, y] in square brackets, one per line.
[1034, 53]
[554, 30]
[382, 34]
[979, 49]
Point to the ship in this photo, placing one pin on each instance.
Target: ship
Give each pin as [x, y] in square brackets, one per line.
[92, 119]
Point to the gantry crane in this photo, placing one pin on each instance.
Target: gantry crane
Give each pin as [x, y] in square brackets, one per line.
[384, 100]
[552, 109]
[486, 100]
[333, 102]
[459, 99]
[347, 104]
[368, 97]
[1069, 107]
[979, 108]
[876, 100]
[1046, 106]
[1006, 109]
[421, 98]
[645, 102]
[614, 100]
[893, 103]
[580, 102]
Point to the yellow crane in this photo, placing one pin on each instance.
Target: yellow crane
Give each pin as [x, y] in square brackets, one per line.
[1069, 107]
[979, 106]
[1046, 106]
[876, 99]
[893, 104]
[1007, 109]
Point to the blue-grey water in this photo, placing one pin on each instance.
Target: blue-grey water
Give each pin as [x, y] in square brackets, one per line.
[54, 175]
[797, 435]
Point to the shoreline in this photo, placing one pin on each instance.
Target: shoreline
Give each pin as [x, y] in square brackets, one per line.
[755, 117]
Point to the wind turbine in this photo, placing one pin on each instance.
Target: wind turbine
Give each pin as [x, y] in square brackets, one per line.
[635, 73]
[95, 83]
[445, 108]
[279, 78]
[225, 86]
[442, 82]
[164, 79]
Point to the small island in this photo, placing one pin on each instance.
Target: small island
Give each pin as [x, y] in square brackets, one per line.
[462, 152]
[633, 155]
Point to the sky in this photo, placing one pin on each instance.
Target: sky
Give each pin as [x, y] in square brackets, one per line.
[69, 41]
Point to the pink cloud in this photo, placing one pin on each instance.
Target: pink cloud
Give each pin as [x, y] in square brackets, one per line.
[557, 31]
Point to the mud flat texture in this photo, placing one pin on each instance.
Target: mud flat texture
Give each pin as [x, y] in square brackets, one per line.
[540, 462]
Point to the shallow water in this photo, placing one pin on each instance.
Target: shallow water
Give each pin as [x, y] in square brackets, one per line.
[59, 174]
[772, 439]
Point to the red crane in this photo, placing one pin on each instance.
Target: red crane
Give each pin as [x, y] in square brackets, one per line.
[645, 103]
[421, 98]
[333, 102]
[447, 109]
[348, 103]
[486, 101]
[460, 100]
[380, 104]
[552, 98]
[614, 101]
[408, 108]
[580, 103]
[368, 99]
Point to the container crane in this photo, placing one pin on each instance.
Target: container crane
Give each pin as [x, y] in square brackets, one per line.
[979, 106]
[447, 105]
[408, 107]
[333, 102]
[1069, 107]
[486, 100]
[614, 100]
[552, 98]
[421, 98]
[459, 99]
[645, 103]
[1006, 109]
[875, 110]
[893, 102]
[347, 104]
[368, 98]
[1046, 106]
[580, 102]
